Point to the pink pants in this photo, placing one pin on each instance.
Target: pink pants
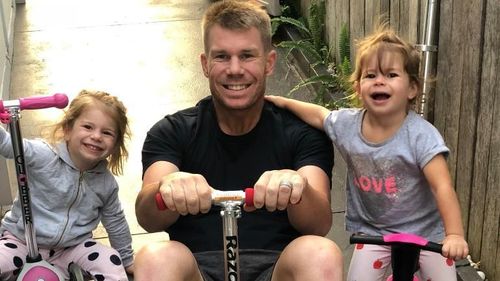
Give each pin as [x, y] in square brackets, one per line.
[99, 261]
[373, 263]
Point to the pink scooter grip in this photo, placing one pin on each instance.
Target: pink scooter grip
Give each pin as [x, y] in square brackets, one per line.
[56, 100]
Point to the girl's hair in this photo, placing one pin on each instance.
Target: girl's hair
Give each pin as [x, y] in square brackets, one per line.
[111, 106]
[238, 15]
[385, 40]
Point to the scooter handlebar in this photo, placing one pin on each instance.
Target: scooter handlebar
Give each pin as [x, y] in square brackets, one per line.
[217, 198]
[37, 102]
[397, 238]
[57, 100]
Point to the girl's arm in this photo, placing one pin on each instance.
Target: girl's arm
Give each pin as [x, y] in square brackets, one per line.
[116, 225]
[438, 176]
[5, 143]
[312, 114]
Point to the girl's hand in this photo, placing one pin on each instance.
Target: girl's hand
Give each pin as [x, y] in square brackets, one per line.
[455, 247]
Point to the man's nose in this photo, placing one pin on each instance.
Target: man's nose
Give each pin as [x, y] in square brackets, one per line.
[235, 66]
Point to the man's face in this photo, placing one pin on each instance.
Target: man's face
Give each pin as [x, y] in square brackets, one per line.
[236, 65]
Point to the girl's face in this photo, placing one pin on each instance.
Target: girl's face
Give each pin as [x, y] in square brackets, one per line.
[385, 86]
[92, 138]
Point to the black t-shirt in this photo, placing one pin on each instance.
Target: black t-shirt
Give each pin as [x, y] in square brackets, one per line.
[192, 140]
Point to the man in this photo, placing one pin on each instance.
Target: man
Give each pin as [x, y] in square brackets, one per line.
[228, 141]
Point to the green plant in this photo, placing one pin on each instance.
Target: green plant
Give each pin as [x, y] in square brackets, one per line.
[311, 30]
[312, 45]
[345, 69]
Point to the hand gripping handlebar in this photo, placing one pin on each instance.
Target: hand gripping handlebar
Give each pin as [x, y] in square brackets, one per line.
[218, 198]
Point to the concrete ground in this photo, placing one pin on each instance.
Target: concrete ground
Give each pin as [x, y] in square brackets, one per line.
[145, 52]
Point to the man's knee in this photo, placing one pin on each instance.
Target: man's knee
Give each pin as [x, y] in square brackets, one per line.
[171, 258]
[310, 257]
[314, 251]
[317, 247]
[170, 251]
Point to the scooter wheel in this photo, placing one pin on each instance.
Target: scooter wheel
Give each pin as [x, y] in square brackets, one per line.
[75, 273]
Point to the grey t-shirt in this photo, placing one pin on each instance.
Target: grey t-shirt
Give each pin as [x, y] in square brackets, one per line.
[386, 189]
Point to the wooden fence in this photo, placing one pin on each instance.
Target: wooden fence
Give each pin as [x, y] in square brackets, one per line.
[464, 103]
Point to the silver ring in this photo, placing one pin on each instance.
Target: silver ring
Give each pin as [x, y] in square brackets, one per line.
[286, 183]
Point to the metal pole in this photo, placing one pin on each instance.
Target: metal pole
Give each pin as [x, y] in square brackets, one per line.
[429, 48]
[22, 181]
[230, 212]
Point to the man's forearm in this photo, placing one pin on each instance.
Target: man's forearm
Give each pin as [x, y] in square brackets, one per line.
[148, 215]
[312, 215]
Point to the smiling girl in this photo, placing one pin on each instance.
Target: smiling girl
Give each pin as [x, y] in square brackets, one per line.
[73, 190]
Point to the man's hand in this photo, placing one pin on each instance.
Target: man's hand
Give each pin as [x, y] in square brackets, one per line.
[186, 193]
[275, 190]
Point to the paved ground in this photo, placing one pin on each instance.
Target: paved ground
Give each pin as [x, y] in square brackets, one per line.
[145, 52]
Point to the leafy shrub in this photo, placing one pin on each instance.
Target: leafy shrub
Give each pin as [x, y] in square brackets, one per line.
[333, 80]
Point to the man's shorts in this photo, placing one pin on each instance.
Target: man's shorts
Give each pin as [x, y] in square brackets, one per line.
[255, 265]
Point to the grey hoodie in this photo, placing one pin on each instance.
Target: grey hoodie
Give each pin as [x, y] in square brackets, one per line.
[67, 205]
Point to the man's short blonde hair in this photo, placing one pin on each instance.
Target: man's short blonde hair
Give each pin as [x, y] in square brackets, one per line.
[238, 15]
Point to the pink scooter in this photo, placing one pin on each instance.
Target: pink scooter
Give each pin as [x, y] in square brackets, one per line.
[35, 268]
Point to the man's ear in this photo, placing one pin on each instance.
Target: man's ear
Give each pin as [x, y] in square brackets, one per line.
[270, 62]
[204, 64]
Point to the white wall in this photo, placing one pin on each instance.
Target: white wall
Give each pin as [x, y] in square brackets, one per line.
[7, 16]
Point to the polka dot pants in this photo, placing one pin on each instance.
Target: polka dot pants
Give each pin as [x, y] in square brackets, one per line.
[97, 260]
[373, 263]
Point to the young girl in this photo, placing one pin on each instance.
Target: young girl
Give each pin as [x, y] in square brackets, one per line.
[398, 179]
[72, 190]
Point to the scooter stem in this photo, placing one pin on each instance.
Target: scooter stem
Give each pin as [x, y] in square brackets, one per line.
[230, 212]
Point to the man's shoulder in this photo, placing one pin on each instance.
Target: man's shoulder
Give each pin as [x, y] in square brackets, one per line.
[285, 116]
[188, 116]
[289, 122]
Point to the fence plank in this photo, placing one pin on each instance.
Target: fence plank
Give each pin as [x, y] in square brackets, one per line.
[331, 27]
[487, 166]
[448, 86]
[404, 19]
[356, 23]
[368, 15]
[471, 34]
[490, 248]
[342, 11]
[414, 21]
[395, 13]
